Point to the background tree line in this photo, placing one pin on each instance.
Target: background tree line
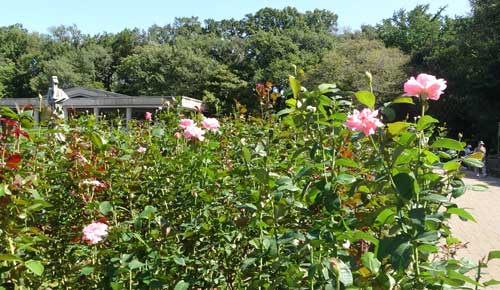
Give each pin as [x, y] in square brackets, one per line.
[222, 61]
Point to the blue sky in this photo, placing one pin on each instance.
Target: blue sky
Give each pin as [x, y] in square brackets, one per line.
[94, 16]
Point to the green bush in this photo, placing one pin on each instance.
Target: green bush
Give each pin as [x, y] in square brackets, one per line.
[291, 200]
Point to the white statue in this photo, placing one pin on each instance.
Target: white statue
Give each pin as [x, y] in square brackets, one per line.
[56, 96]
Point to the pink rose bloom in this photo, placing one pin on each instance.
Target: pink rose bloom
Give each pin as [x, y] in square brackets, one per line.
[425, 85]
[148, 116]
[141, 149]
[211, 124]
[177, 135]
[194, 133]
[184, 123]
[365, 121]
[95, 232]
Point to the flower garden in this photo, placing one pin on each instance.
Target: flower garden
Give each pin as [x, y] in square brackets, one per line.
[331, 192]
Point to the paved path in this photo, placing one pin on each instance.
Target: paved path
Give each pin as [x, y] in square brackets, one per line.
[484, 235]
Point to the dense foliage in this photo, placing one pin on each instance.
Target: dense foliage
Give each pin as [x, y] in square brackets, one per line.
[465, 50]
[222, 61]
[316, 196]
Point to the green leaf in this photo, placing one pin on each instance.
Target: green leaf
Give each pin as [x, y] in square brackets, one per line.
[477, 187]
[435, 198]
[358, 235]
[473, 162]
[247, 263]
[4, 190]
[8, 113]
[430, 157]
[448, 143]
[285, 111]
[179, 261]
[345, 275]
[428, 248]
[9, 258]
[158, 132]
[405, 185]
[98, 140]
[386, 216]
[427, 237]
[148, 212]
[105, 207]
[397, 127]
[86, 270]
[425, 121]
[295, 85]
[346, 163]
[116, 286]
[261, 175]
[246, 154]
[491, 282]
[457, 276]
[403, 100]
[35, 266]
[135, 264]
[461, 213]
[328, 88]
[371, 262]
[401, 257]
[494, 255]
[451, 166]
[366, 98]
[345, 179]
[181, 285]
[458, 188]
[292, 103]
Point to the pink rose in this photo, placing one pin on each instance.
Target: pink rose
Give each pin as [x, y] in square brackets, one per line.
[148, 116]
[194, 133]
[141, 149]
[177, 135]
[95, 232]
[425, 85]
[365, 121]
[211, 124]
[184, 123]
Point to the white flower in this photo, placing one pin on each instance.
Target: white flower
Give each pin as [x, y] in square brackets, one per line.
[94, 182]
[311, 108]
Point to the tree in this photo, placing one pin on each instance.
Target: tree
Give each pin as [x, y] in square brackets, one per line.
[416, 32]
[165, 70]
[347, 63]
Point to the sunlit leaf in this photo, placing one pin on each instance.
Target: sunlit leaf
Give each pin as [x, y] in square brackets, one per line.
[35, 266]
[448, 143]
[425, 121]
[295, 85]
[366, 98]
[397, 127]
[461, 213]
[403, 100]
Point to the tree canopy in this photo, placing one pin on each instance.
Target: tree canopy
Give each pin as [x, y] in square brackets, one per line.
[223, 60]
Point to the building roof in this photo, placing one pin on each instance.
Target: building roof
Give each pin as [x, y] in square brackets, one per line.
[81, 97]
[83, 92]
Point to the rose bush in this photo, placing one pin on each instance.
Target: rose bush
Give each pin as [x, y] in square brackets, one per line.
[304, 198]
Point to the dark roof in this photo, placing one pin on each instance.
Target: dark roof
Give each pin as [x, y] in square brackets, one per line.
[80, 97]
[91, 93]
[21, 102]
